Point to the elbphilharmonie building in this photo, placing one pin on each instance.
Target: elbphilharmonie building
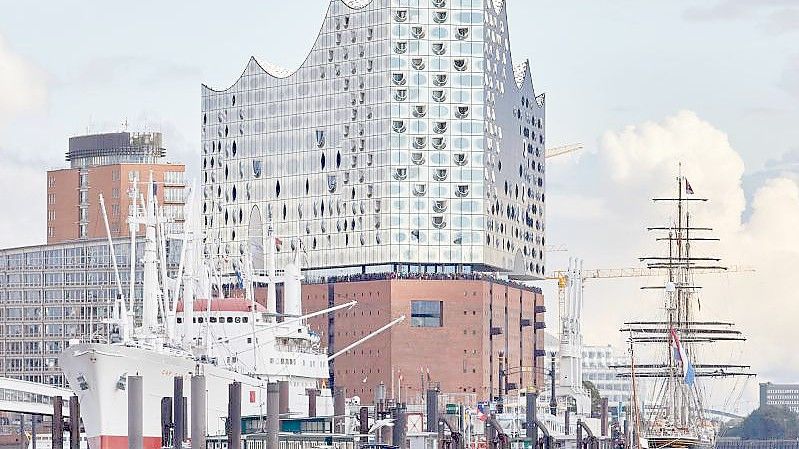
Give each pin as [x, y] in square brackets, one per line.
[407, 139]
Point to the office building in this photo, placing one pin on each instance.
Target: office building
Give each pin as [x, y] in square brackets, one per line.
[460, 331]
[109, 164]
[62, 291]
[598, 368]
[51, 294]
[780, 395]
[407, 140]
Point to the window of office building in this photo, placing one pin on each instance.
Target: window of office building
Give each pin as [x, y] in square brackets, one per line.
[427, 313]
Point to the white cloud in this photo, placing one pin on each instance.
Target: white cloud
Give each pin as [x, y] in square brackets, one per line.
[22, 85]
[639, 162]
[23, 89]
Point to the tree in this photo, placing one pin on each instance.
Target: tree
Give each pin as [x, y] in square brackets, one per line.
[769, 423]
[596, 400]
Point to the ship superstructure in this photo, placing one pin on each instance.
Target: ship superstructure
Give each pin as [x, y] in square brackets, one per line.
[187, 325]
[676, 417]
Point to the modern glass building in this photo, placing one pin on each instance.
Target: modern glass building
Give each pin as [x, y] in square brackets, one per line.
[407, 140]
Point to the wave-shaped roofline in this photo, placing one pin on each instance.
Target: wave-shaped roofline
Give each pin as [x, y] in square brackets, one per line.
[351, 4]
[522, 74]
[500, 7]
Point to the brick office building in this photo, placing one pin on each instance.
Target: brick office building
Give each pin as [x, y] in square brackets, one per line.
[63, 290]
[109, 164]
[456, 331]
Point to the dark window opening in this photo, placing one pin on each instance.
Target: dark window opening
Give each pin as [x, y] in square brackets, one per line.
[427, 313]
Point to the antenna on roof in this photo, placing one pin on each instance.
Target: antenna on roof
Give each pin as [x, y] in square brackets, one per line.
[125, 125]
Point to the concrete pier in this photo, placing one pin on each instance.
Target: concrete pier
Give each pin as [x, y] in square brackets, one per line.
[234, 415]
[198, 411]
[272, 415]
[135, 413]
[179, 432]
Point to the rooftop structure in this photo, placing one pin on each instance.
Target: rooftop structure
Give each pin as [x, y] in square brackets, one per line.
[406, 138]
[109, 165]
[115, 148]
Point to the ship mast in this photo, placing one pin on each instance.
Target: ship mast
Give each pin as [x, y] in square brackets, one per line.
[679, 402]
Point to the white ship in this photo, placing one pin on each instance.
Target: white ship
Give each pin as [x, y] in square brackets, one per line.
[227, 339]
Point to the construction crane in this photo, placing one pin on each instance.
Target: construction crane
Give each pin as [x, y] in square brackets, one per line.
[573, 278]
[570, 305]
[565, 149]
[612, 273]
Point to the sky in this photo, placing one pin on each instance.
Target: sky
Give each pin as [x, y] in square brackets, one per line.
[713, 84]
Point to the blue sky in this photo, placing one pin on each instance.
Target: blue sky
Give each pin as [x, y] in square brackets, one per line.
[616, 73]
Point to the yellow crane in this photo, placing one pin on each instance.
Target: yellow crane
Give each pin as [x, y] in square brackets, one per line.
[612, 273]
[570, 311]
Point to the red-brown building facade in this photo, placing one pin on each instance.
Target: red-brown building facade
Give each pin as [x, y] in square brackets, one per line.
[459, 332]
[110, 164]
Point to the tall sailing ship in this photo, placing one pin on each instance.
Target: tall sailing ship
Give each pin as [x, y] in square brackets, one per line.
[677, 417]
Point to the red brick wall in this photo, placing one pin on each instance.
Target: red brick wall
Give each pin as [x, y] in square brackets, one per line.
[456, 355]
[62, 186]
[105, 179]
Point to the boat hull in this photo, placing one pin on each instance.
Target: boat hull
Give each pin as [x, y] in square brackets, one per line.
[677, 442]
[98, 374]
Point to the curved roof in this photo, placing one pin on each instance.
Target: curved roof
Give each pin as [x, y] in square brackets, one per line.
[283, 72]
[222, 305]
[357, 4]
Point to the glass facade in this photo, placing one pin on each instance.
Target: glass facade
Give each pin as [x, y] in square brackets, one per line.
[406, 137]
[52, 294]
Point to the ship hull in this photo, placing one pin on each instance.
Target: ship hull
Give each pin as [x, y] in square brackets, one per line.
[98, 374]
[677, 442]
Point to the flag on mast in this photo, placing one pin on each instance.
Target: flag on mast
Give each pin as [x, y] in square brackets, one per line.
[688, 189]
[688, 372]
